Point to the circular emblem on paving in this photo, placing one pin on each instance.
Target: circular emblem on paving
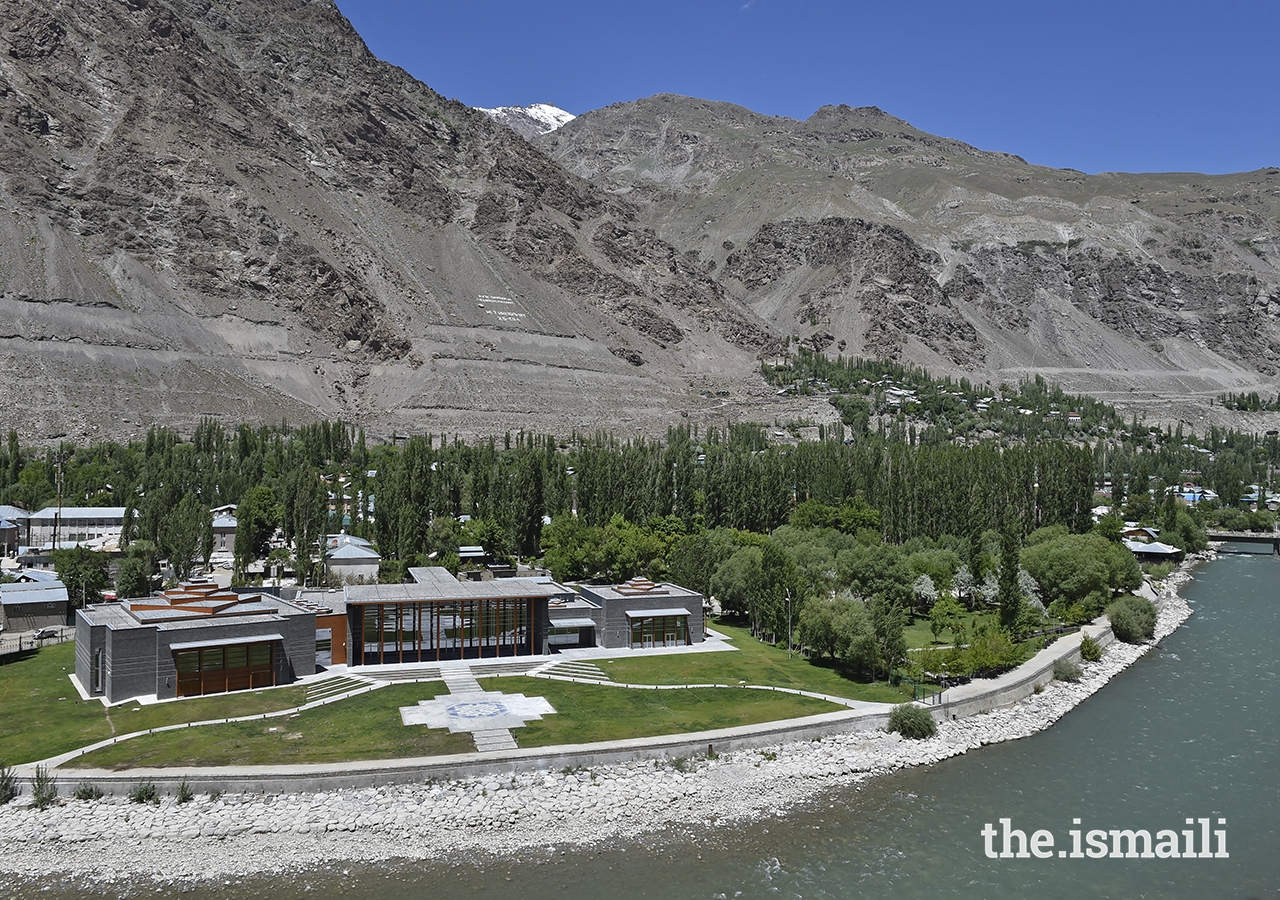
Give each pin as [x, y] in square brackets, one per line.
[481, 710]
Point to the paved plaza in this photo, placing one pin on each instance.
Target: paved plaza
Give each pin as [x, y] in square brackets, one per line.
[476, 711]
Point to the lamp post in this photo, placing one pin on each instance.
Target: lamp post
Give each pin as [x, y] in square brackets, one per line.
[788, 623]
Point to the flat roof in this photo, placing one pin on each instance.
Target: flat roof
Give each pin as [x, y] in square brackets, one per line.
[573, 623]
[575, 601]
[112, 615]
[80, 512]
[208, 622]
[652, 613]
[662, 590]
[227, 642]
[436, 584]
[33, 592]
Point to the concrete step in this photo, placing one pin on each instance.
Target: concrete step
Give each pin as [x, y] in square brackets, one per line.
[461, 683]
[416, 673]
[332, 687]
[579, 670]
[494, 739]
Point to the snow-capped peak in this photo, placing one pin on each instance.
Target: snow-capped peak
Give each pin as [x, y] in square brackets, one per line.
[530, 121]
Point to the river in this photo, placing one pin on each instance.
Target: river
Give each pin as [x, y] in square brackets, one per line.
[1189, 731]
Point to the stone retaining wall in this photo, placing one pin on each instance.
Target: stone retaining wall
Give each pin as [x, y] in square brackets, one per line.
[985, 695]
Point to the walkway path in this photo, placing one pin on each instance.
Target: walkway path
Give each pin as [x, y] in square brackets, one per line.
[463, 685]
[561, 672]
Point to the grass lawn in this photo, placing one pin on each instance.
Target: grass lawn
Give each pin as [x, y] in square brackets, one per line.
[918, 633]
[754, 662]
[587, 713]
[363, 727]
[41, 715]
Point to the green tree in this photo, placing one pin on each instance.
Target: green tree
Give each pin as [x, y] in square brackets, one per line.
[879, 569]
[1110, 527]
[856, 641]
[778, 595]
[947, 614]
[736, 580]
[817, 625]
[1079, 572]
[15, 457]
[180, 535]
[84, 572]
[570, 548]
[1009, 596]
[257, 516]
[888, 623]
[695, 558]
[133, 578]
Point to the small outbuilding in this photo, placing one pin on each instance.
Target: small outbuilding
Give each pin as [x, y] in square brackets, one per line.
[642, 613]
[350, 560]
[39, 600]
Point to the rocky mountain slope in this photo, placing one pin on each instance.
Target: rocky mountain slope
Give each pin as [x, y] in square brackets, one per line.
[236, 210]
[530, 121]
[855, 232]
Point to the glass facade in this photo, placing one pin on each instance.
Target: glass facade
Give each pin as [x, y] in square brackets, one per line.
[215, 670]
[659, 631]
[425, 631]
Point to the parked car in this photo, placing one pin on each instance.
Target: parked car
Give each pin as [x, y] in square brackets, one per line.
[41, 634]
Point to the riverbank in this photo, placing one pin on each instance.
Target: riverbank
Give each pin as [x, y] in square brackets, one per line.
[525, 814]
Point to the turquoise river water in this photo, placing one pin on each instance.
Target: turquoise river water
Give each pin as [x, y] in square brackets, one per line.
[1192, 730]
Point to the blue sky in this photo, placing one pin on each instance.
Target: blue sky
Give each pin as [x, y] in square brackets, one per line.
[1096, 86]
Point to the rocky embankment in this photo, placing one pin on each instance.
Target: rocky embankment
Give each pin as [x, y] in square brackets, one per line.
[244, 834]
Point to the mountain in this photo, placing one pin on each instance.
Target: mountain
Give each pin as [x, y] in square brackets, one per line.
[236, 210]
[530, 121]
[858, 233]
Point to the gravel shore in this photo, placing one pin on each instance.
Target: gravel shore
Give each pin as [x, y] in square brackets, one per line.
[247, 834]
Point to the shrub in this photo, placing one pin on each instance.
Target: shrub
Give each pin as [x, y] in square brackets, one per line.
[1090, 650]
[1160, 571]
[44, 788]
[991, 651]
[144, 793]
[1066, 670]
[87, 791]
[1133, 619]
[912, 722]
[185, 794]
[8, 785]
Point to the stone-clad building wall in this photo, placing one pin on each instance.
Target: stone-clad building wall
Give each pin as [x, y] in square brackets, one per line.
[615, 628]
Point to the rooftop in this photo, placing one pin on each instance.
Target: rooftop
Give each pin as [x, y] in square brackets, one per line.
[638, 588]
[436, 583]
[191, 603]
[81, 512]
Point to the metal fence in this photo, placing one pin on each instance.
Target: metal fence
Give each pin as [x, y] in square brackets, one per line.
[12, 644]
[927, 693]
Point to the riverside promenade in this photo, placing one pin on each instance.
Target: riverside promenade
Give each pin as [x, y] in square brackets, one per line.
[533, 803]
[979, 696]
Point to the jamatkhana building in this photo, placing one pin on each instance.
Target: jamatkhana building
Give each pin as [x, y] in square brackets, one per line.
[201, 639]
[438, 617]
